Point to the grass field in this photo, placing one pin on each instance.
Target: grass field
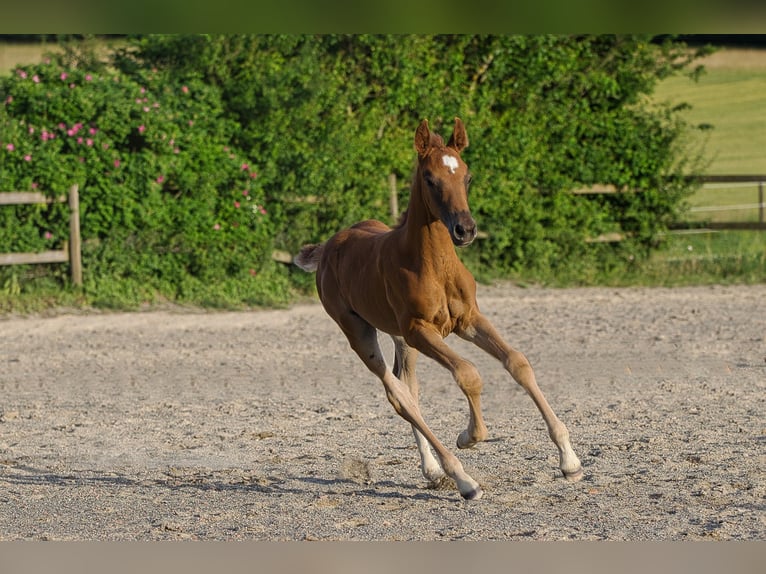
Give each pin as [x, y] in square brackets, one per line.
[731, 98]
[14, 54]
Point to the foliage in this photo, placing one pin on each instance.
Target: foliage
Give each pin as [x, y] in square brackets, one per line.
[168, 206]
[330, 117]
[159, 138]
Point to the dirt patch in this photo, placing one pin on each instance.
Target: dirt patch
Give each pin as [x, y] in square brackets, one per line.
[264, 425]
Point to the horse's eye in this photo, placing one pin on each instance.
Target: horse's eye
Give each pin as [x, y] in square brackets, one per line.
[430, 180]
[468, 180]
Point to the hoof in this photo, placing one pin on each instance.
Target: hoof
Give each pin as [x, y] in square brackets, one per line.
[575, 475]
[464, 441]
[474, 494]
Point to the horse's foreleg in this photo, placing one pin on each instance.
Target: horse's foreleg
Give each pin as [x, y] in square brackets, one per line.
[405, 358]
[485, 336]
[363, 339]
[431, 344]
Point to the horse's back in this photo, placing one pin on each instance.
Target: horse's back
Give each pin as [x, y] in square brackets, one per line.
[372, 226]
[349, 275]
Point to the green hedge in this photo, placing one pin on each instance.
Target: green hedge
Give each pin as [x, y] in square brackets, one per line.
[197, 156]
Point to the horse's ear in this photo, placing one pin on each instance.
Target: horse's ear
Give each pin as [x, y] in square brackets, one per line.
[422, 139]
[459, 138]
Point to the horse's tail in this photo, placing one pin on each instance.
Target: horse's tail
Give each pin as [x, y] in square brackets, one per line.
[308, 257]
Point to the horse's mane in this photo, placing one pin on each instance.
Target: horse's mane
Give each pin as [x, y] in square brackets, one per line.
[436, 143]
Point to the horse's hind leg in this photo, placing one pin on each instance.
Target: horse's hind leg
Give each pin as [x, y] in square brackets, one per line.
[405, 358]
[363, 339]
[484, 335]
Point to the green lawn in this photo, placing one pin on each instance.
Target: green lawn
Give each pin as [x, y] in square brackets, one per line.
[730, 97]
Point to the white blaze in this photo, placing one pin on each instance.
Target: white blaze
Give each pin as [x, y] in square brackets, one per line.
[450, 161]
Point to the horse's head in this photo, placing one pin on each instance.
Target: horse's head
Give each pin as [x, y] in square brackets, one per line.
[444, 180]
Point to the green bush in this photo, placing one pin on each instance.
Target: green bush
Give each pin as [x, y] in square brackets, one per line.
[157, 140]
[169, 207]
[331, 116]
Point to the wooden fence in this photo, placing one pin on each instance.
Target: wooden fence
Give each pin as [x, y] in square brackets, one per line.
[727, 182]
[72, 249]
[722, 182]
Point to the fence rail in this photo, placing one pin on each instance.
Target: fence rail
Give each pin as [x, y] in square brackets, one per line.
[720, 182]
[72, 249]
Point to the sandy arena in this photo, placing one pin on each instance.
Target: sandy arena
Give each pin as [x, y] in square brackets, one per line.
[264, 425]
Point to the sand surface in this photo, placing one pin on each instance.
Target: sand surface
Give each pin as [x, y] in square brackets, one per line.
[264, 425]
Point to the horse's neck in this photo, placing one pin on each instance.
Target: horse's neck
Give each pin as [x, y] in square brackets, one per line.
[424, 237]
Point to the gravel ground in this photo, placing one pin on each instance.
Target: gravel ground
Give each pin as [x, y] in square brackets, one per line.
[264, 425]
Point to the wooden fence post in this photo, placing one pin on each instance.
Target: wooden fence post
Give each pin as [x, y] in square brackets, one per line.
[75, 242]
[393, 199]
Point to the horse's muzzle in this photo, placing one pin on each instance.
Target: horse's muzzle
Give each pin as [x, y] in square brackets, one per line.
[462, 229]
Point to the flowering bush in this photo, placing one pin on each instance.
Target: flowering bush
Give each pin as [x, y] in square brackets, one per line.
[198, 154]
[169, 206]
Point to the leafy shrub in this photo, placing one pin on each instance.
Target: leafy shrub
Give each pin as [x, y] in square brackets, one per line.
[331, 116]
[169, 206]
[157, 141]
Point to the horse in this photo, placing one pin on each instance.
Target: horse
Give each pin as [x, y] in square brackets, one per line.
[407, 281]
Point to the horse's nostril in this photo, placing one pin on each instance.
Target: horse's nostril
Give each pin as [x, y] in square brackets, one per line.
[459, 231]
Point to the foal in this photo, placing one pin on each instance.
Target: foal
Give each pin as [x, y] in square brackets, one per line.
[409, 283]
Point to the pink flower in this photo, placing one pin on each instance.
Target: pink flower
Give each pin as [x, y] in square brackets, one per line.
[236, 204]
[92, 131]
[141, 129]
[28, 157]
[104, 145]
[146, 108]
[143, 90]
[10, 147]
[34, 185]
[216, 227]
[253, 272]
[116, 163]
[191, 122]
[72, 86]
[36, 79]
[70, 132]
[245, 167]
[253, 174]
[22, 74]
[185, 89]
[48, 235]
[245, 193]
[44, 135]
[176, 150]
[262, 210]
[63, 76]
[138, 100]
[62, 126]
[79, 140]
[88, 77]
[88, 142]
[160, 178]
[31, 130]
[9, 99]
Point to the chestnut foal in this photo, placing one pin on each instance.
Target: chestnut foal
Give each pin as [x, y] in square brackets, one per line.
[407, 281]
